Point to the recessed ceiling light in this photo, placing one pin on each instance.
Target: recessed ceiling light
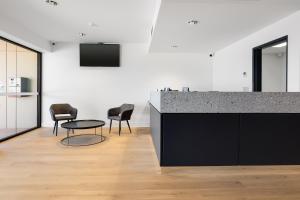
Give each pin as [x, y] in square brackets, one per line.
[51, 2]
[280, 45]
[82, 34]
[192, 22]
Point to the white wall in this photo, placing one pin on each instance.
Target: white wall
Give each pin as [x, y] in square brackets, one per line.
[94, 90]
[230, 63]
[273, 73]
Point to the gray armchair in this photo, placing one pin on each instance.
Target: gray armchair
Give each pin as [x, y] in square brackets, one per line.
[59, 109]
[122, 113]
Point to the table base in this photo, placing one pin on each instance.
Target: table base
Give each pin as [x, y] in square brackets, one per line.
[82, 140]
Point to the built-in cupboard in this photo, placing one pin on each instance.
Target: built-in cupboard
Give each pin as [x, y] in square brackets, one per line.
[20, 88]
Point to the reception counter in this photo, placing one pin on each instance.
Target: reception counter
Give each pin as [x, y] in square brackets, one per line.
[225, 128]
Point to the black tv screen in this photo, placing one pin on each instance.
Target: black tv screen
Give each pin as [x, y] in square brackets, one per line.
[100, 55]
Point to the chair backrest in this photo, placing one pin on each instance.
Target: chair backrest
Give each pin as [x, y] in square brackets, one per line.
[61, 108]
[56, 109]
[126, 111]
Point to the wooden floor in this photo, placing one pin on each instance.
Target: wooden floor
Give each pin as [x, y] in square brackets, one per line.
[37, 166]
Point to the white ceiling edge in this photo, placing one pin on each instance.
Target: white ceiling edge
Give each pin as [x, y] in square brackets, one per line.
[17, 33]
[156, 13]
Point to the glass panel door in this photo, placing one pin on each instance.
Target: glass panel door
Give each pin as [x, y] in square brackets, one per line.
[27, 88]
[3, 122]
[11, 100]
[19, 89]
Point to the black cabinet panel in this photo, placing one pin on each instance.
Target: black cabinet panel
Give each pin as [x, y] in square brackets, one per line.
[200, 139]
[269, 139]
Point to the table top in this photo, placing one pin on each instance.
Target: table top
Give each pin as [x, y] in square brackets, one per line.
[83, 124]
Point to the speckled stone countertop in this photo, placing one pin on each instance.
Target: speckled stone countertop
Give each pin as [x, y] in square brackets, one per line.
[226, 102]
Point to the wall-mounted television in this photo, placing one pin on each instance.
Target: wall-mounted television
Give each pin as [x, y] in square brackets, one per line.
[100, 55]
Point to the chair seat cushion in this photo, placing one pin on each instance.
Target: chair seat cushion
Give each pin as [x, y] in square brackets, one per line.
[118, 118]
[64, 117]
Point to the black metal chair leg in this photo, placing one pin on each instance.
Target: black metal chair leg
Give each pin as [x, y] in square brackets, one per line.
[128, 126]
[72, 129]
[119, 128]
[110, 126]
[56, 127]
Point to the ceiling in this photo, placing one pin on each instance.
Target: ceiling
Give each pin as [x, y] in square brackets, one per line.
[221, 22]
[121, 21]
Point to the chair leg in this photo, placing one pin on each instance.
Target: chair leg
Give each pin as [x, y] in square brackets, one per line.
[119, 128]
[71, 121]
[56, 127]
[128, 126]
[110, 126]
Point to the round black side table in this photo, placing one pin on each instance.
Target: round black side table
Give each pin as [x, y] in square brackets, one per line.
[83, 139]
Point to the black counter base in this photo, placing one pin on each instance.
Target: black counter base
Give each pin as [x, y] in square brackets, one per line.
[204, 139]
[269, 139]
